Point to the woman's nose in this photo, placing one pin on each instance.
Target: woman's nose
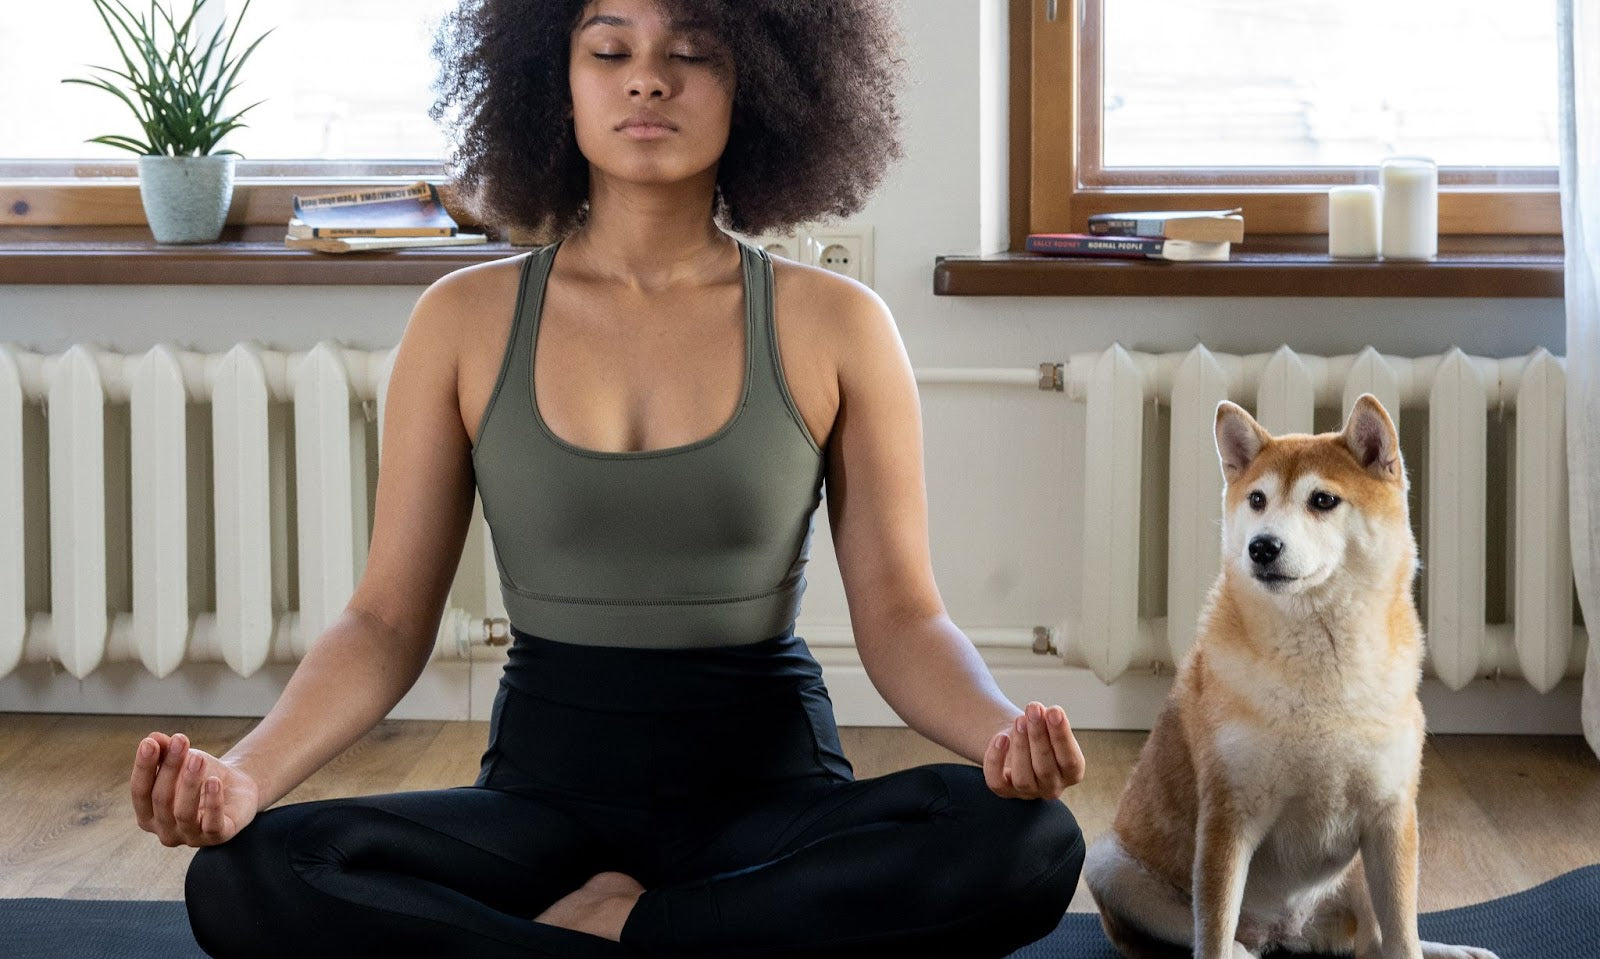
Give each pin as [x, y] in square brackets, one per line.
[647, 82]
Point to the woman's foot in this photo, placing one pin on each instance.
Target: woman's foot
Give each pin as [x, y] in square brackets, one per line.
[599, 908]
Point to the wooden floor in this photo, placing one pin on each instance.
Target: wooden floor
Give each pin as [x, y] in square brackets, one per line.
[1499, 814]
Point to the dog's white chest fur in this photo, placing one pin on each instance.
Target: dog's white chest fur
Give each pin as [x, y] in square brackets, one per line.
[1322, 728]
[1320, 752]
[1303, 788]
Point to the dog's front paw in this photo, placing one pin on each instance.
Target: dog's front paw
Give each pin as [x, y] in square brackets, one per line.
[1435, 950]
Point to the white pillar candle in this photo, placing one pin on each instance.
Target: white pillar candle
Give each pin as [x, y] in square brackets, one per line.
[1410, 208]
[1353, 221]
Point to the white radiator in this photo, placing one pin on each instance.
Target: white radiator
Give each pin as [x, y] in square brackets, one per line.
[174, 508]
[1485, 446]
[194, 562]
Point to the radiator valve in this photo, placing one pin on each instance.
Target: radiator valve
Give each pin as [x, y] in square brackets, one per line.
[1052, 377]
[497, 631]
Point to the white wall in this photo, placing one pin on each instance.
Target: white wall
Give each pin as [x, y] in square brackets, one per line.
[1003, 469]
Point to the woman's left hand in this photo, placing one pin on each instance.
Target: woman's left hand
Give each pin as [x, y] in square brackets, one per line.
[1034, 757]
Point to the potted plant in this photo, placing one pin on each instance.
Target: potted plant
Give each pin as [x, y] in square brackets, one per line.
[177, 93]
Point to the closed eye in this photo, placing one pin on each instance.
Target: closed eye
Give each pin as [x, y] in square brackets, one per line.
[687, 58]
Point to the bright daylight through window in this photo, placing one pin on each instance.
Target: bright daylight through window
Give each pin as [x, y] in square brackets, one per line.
[347, 80]
[1222, 83]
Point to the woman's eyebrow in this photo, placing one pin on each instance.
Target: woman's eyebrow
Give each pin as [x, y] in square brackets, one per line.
[612, 20]
[607, 20]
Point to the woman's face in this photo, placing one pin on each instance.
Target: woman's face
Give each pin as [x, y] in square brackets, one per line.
[652, 99]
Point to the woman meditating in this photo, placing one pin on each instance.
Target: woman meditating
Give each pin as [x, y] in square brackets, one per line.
[649, 409]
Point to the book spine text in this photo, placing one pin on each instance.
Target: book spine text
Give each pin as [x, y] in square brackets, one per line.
[1096, 246]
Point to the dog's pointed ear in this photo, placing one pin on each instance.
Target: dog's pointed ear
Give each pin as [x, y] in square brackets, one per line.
[1371, 437]
[1239, 439]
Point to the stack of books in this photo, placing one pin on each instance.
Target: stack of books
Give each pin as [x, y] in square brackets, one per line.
[1157, 235]
[384, 219]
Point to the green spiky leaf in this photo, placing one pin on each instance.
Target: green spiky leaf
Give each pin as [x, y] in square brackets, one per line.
[175, 83]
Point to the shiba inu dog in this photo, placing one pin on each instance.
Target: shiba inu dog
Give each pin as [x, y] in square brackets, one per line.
[1274, 804]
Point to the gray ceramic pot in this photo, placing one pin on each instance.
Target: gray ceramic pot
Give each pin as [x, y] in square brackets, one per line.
[186, 199]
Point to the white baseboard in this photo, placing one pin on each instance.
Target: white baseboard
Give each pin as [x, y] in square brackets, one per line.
[1134, 701]
[208, 689]
[463, 689]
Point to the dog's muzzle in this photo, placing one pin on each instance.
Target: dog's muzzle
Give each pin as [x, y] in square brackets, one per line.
[1264, 552]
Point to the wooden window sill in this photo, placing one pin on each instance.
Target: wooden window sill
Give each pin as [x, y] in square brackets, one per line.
[1510, 267]
[244, 255]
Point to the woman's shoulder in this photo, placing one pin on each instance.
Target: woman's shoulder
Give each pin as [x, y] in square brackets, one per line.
[473, 303]
[476, 290]
[826, 307]
[823, 295]
[478, 282]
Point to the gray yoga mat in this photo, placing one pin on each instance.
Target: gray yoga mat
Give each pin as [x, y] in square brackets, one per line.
[1557, 920]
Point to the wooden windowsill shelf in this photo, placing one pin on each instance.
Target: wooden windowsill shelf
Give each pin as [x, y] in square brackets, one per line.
[247, 255]
[1510, 267]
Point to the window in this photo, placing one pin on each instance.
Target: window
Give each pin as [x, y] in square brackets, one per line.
[345, 87]
[1159, 104]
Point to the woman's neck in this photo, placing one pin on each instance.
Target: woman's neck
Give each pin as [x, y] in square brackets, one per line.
[649, 239]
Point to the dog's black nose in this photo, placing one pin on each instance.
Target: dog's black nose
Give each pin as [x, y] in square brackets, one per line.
[1265, 549]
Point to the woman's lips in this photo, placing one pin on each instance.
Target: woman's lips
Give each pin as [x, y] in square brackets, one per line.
[646, 131]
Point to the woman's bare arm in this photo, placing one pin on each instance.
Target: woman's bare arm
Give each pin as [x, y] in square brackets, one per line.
[371, 654]
[351, 678]
[925, 668]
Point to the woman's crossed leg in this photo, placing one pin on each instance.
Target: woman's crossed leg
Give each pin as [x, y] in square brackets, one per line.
[926, 859]
[445, 872]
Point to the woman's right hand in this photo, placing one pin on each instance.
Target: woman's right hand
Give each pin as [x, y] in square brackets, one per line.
[186, 806]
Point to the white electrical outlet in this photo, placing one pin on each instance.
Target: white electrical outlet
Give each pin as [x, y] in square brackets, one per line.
[846, 249]
[789, 246]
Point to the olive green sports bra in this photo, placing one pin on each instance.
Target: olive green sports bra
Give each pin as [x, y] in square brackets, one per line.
[697, 545]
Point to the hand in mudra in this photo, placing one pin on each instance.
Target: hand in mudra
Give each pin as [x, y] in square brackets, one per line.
[1034, 757]
[187, 806]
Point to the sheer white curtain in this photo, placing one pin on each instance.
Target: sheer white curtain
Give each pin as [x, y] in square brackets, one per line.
[1579, 30]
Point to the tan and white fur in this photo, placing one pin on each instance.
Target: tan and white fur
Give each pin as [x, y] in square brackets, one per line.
[1274, 803]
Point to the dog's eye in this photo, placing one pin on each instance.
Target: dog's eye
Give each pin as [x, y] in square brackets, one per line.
[1323, 501]
[1258, 500]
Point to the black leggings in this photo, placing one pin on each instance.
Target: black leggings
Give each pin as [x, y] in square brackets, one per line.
[712, 776]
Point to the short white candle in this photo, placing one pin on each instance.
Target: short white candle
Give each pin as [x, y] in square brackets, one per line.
[1410, 208]
[1353, 221]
